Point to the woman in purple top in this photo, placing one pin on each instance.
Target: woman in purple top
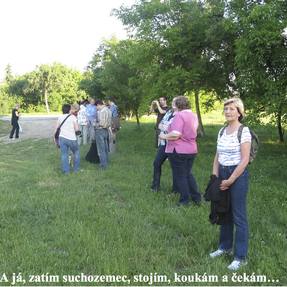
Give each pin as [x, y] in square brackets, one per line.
[182, 149]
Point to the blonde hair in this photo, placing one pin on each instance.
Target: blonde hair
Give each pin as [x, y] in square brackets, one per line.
[75, 107]
[238, 104]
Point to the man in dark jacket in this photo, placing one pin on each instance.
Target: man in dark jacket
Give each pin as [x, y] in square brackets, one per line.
[14, 122]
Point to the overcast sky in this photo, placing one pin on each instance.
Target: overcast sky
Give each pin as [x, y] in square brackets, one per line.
[34, 32]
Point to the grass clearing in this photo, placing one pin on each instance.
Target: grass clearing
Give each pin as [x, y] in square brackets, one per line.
[108, 222]
[4, 128]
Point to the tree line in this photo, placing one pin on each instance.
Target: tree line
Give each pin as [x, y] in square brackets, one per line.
[206, 49]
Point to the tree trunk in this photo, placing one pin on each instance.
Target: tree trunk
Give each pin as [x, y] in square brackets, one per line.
[279, 124]
[46, 100]
[138, 118]
[200, 130]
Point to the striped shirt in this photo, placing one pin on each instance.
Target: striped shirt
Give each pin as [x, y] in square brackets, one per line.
[228, 147]
[164, 124]
[104, 118]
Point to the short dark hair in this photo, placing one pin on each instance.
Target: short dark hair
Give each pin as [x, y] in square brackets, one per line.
[163, 98]
[182, 103]
[66, 108]
[98, 102]
[110, 99]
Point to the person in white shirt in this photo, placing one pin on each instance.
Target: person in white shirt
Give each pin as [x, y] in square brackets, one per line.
[83, 124]
[68, 139]
[230, 165]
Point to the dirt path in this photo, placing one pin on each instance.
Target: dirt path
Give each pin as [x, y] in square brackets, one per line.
[34, 127]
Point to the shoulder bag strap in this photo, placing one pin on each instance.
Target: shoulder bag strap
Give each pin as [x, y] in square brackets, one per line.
[239, 133]
[222, 131]
[63, 121]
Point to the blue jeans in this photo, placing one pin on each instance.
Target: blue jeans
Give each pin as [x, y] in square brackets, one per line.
[102, 141]
[238, 192]
[84, 135]
[65, 146]
[183, 178]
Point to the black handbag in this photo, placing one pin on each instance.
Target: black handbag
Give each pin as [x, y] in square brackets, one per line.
[57, 133]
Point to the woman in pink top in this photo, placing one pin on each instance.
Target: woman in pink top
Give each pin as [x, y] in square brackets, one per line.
[182, 149]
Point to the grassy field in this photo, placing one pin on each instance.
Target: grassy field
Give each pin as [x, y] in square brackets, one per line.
[108, 222]
[4, 128]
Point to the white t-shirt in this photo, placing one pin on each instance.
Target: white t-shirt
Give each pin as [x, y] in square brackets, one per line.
[82, 116]
[228, 147]
[67, 129]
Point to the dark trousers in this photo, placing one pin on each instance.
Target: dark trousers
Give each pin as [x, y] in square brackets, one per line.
[183, 178]
[160, 158]
[157, 132]
[15, 127]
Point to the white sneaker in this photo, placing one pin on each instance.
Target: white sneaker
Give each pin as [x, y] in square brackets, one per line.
[236, 264]
[218, 253]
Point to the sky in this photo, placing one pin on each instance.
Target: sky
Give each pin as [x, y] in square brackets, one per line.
[35, 32]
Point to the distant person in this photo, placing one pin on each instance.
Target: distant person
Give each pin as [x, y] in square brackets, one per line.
[115, 127]
[160, 108]
[83, 124]
[68, 139]
[14, 122]
[91, 112]
[161, 155]
[182, 149]
[115, 115]
[101, 132]
[230, 165]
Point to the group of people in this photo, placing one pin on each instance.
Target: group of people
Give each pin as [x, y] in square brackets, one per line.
[95, 122]
[176, 133]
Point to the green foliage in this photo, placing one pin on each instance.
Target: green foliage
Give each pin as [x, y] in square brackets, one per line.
[119, 68]
[261, 60]
[48, 85]
[219, 47]
[193, 46]
[212, 49]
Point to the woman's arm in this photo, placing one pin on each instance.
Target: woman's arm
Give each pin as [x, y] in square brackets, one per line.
[172, 136]
[245, 153]
[76, 126]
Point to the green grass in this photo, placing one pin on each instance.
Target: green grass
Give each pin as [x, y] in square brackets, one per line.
[4, 128]
[108, 222]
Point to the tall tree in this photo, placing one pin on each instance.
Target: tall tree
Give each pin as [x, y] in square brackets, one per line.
[50, 85]
[8, 74]
[190, 59]
[261, 58]
[119, 66]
